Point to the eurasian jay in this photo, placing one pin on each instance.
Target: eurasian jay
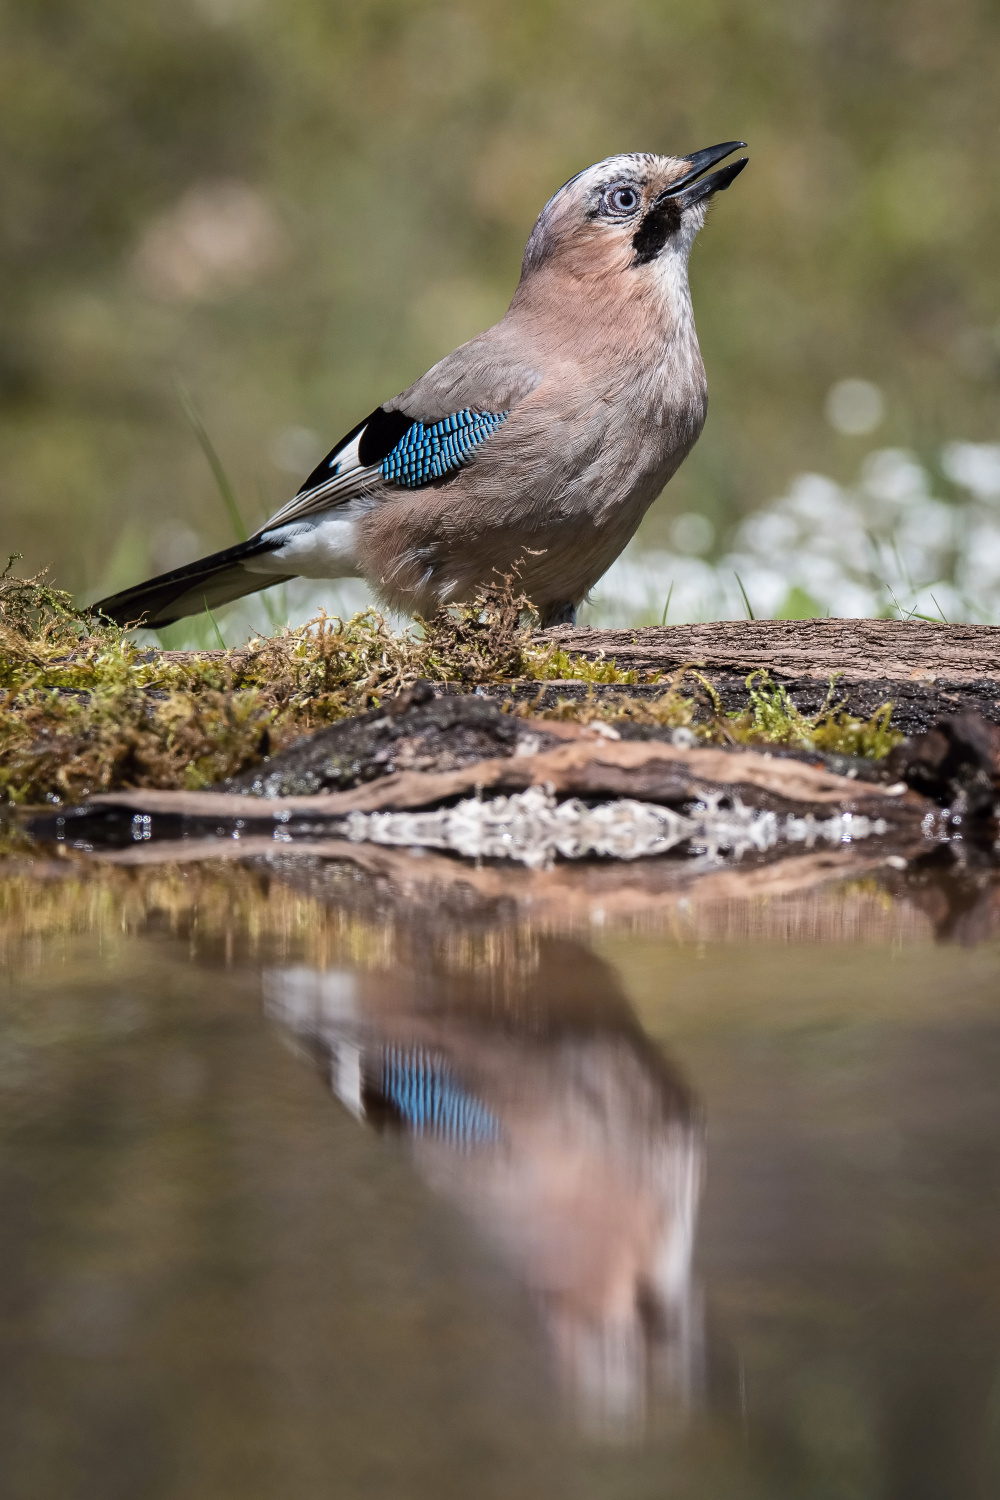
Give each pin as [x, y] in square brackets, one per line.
[535, 448]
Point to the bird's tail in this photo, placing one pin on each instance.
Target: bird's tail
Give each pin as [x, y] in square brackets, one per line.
[207, 583]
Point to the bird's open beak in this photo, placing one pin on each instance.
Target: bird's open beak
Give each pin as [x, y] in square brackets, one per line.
[691, 186]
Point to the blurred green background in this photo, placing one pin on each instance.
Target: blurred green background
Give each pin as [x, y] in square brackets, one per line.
[293, 208]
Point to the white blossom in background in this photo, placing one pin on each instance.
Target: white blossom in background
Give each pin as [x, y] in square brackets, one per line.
[854, 407]
[692, 534]
[884, 546]
[975, 466]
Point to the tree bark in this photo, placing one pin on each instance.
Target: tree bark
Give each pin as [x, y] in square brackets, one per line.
[901, 650]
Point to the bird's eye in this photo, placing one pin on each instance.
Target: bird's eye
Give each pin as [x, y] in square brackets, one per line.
[620, 201]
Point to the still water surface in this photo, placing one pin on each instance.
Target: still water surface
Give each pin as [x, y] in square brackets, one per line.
[323, 1180]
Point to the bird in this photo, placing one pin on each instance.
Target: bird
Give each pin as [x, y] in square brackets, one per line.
[535, 449]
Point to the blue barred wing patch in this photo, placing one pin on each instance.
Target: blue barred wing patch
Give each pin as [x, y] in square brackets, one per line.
[426, 453]
[430, 1100]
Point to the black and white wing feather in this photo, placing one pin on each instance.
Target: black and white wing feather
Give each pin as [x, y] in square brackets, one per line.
[349, 469]
[391, 448]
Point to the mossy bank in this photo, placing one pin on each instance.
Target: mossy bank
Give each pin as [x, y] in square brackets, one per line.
[83, 708]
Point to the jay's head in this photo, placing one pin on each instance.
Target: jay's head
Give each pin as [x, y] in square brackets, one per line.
[629, 214]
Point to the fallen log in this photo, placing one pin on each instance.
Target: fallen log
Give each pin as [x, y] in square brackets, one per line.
[901, 650]
[925, 669]
[550, 782]
[587, 796]
[585, 767]
[856, 650]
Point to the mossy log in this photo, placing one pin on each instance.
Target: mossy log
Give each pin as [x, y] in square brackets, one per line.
[428, 751]
[925, 669]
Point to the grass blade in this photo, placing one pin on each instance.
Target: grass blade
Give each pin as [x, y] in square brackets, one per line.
[215, 626]
[666, 607]
[746, 601]
[904, 614]
[214, 462]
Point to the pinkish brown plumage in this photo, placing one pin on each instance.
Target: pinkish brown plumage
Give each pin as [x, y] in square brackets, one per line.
[540, 444]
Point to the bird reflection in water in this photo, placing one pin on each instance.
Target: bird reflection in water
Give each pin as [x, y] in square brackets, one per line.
[529, 1096]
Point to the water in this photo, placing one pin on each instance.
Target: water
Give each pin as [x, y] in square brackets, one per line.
[387, 1177]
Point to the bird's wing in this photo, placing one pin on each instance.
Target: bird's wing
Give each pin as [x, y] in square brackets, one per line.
[423, 434]
[426, 1097]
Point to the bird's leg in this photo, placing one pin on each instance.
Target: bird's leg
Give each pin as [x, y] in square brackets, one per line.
[558, 614]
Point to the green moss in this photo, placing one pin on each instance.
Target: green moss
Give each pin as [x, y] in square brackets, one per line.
[671, 709]
[772, 718]
[83, 709]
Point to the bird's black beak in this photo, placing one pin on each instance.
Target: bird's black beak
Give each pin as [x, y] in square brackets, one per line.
[691, 187]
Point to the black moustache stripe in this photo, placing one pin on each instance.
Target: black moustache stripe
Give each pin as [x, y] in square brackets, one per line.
[662, 220]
